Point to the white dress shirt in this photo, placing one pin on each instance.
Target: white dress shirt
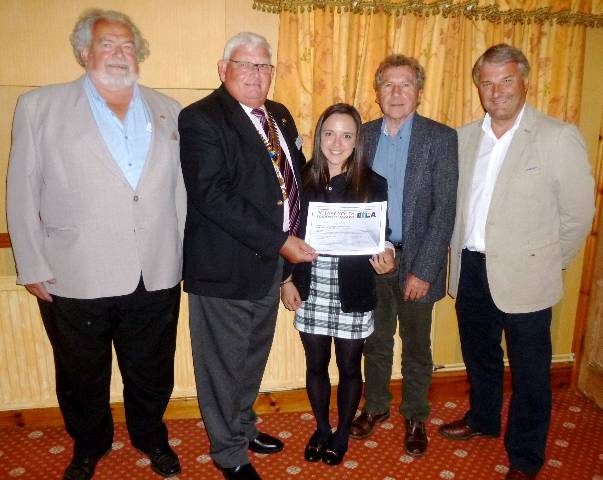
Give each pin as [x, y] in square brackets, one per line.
[258, 126]
[491, 155]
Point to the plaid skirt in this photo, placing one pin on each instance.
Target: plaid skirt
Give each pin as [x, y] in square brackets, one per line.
[321, 313]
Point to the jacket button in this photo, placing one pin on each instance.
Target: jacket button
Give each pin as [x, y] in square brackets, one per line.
[135, 198]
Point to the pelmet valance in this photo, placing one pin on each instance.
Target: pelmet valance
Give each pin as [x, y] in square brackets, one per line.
[587, 13]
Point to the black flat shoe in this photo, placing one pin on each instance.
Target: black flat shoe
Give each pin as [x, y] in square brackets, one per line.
[315, 447]
[82, 468]
[330, 455]
[313, 453]
[164, 461]
[240, 472]
[265, 443]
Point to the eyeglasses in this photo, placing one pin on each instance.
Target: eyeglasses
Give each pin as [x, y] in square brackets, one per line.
[249, 66]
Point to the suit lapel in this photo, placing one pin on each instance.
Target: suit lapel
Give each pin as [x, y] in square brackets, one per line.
[288, 134]
[372, 132]
[250, 137]
[86, 129]
[418, 151]
[513, 159]
[158, 118]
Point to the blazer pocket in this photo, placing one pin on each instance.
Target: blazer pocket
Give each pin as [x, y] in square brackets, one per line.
[60, 237]
[528, 173]
[53, 229]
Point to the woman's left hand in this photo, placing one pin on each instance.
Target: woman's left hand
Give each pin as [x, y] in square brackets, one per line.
[290, 296]
[383, 262]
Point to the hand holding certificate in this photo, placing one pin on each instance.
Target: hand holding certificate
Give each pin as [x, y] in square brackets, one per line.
[346, 228]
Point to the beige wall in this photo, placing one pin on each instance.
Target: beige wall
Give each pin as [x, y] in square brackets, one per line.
[186, 38]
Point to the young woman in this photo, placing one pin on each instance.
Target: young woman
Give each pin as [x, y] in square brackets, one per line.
[334, 296]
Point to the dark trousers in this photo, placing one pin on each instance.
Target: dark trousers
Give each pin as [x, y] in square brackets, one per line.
[142, 327]
[529, 351]
[231, 340]
[415, 328]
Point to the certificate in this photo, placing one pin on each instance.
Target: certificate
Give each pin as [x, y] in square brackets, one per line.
[346, 228]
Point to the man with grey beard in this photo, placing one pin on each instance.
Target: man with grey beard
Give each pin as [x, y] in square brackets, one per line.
[96, 208]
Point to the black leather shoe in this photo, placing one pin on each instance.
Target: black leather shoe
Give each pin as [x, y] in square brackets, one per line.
[240, 472]
[82, 468]
[519, 475]
[315, 447]
[415, 440]
[265, 443]
[330, 455]
[164, 461]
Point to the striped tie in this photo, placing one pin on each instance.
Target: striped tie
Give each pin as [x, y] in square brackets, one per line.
[286, 172]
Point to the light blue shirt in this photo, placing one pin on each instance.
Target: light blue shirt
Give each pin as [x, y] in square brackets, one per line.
[129, 141]
[390, 162]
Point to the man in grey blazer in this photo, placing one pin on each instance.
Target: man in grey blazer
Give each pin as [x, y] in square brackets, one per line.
[525, 204]
[418, 157]
[96, 209]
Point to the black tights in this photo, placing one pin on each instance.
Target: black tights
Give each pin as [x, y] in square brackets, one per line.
[348, 354]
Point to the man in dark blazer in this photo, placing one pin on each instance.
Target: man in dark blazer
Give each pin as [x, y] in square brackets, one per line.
[241, 156]
[418, 157]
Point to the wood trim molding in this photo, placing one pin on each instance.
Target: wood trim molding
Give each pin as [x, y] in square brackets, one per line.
[4, 240]
[445, 385]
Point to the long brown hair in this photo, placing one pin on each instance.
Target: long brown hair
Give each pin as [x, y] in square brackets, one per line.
[316, 175]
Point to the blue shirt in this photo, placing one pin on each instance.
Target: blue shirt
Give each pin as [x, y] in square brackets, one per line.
[129, 141]
[390, 162]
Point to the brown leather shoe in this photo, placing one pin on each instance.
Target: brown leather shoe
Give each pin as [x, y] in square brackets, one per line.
[459, 430]
[364, 424]
[518, 475]
[415, 440]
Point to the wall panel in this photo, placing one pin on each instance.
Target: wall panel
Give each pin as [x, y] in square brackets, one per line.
[27, 369]
[185, 37]
[8, 100]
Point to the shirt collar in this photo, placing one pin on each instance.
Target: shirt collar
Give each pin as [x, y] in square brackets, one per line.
[487, 124]
[403, 131]
[249, 109]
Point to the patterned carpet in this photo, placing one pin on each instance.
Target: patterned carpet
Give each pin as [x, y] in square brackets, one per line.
[575, 450]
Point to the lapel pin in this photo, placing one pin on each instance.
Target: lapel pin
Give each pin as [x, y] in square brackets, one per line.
[283, 121]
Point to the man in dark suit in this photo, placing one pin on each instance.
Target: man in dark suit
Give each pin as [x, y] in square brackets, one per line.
[418, 157]
[241, 156]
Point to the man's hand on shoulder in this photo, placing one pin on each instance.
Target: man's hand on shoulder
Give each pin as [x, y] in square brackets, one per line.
[295, 250]
[39, 290]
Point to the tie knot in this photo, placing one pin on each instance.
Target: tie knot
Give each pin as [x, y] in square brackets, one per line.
[258, 112]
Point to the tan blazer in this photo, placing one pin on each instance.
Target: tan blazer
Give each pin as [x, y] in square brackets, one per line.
[73, 216]
[541, 210]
